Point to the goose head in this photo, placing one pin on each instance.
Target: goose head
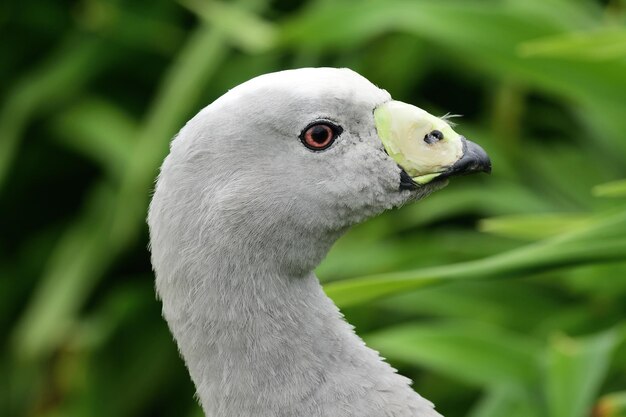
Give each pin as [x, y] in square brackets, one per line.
[281, 165]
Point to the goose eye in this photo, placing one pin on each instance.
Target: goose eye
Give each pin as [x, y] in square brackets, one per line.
[319, 136]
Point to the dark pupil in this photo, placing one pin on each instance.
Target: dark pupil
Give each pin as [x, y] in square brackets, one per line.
[319, 134]
[432, 137]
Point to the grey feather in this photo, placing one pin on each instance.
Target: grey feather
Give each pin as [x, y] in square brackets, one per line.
[241, 215]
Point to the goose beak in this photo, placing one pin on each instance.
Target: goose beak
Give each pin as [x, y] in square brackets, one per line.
[424, 146]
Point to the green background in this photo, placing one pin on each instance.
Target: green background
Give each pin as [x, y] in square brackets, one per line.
[500, 296]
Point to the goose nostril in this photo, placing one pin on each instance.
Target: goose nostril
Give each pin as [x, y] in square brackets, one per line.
[433, 137]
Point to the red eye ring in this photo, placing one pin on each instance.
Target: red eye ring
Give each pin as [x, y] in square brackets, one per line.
[319, 135]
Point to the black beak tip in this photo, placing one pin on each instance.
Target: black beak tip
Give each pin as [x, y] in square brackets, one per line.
[474, 159]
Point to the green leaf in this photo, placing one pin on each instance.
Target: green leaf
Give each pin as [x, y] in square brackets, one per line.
[80, 127]
[610, 189]
[506, 400]
[471, 352]
[240, 26]
[504, 303]
[592, 244]
[534, 227]
[599, 45]
[575, 369]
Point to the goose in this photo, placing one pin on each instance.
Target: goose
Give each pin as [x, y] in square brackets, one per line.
[255, 189]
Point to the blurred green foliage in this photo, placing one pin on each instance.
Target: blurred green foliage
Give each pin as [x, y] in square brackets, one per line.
[499, 296]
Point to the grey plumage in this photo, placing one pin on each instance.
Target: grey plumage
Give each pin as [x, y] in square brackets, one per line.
[242, 213]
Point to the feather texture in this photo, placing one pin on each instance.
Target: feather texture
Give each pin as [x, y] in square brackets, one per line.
[242, 213]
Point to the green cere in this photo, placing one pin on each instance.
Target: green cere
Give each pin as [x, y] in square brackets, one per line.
[404, 128]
